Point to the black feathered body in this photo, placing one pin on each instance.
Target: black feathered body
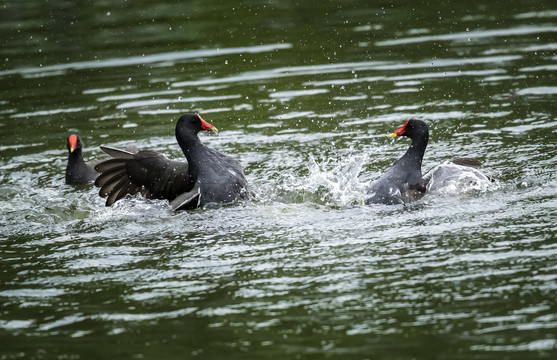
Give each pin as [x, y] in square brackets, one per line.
[77, 170]
[220, 177]
[207, 177]
[402, 182]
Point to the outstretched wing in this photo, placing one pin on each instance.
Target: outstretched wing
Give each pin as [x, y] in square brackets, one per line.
[149, 173]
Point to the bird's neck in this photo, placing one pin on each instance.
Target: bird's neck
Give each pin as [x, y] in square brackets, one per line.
[76, 158]
[415, 153]
[192, 148]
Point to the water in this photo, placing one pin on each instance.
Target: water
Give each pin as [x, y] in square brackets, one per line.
[304, 96]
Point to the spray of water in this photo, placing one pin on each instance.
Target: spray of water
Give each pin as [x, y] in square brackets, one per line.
[330, 182]
[448, 178]
[336, 183]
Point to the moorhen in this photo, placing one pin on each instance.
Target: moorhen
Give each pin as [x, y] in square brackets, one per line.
[207, 177]
[403, 181]
[77, 171]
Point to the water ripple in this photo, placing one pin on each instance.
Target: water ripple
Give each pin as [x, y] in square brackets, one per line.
[169, 58]
[471, 35]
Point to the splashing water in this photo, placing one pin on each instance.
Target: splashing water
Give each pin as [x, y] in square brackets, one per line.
[330, 182]
[336, 183]
[452, 179]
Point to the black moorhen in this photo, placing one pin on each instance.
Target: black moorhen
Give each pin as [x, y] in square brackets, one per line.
[77, 171]
[207, 177]
[401, 183]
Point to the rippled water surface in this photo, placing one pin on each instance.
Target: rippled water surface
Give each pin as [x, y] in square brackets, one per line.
[304, 95]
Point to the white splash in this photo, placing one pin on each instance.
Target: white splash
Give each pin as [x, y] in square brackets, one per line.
[448, 178]
[335, 182]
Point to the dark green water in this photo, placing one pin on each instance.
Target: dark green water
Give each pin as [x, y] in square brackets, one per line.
[305, 95]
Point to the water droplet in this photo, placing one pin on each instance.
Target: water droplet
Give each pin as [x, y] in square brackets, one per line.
[108, 13]
[129, 79]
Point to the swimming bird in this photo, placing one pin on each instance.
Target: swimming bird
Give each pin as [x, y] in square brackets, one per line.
[207, 177]
[77, 171]
[403, 181]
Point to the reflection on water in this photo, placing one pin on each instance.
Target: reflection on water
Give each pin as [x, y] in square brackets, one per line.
[305, 96]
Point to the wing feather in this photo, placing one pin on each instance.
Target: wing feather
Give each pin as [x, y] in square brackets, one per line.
[109, 186]
[117, 153]
[114, 195]
[149, 173]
